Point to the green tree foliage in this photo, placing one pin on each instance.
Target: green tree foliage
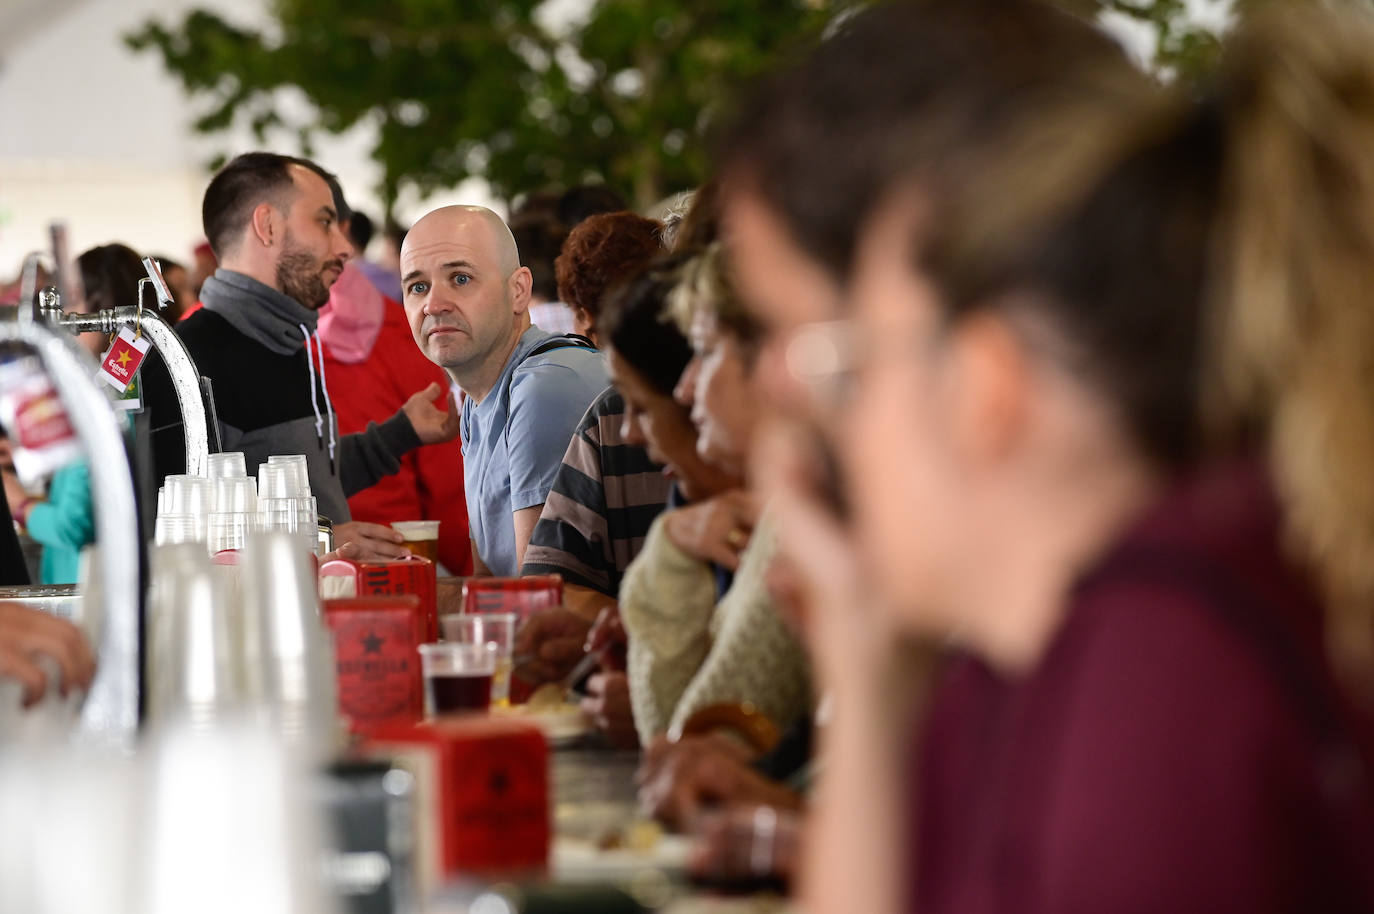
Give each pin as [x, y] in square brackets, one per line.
[490, 88]
[1184, 49]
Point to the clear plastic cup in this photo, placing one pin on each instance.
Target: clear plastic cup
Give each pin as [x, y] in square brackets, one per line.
[275, 481]
[195, 664]
[288, 653]
[235, 494]
[457, 677]
[299, 470]
[421, 537]
[497, 630]
[295, 516]
[171, 529]
[187, 495]
[228, 463]
[229, 531]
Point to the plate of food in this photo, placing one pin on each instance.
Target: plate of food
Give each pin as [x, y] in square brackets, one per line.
[560, 718]
[616, 852]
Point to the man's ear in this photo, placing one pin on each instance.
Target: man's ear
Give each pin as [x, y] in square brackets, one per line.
[521, 281]
[990, 380]
[266, 225]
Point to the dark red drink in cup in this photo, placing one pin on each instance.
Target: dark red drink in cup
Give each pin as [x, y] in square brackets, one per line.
[457, 677]
[457, 693]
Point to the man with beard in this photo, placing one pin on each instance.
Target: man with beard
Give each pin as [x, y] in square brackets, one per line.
[273, 224]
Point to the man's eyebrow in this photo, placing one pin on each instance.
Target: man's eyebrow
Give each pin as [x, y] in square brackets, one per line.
[451, 265]
[329, 211]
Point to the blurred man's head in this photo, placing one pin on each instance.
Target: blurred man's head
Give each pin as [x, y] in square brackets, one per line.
[539, 238]
[465, 293]
[360, 230]
[587, 200]
[277, 219]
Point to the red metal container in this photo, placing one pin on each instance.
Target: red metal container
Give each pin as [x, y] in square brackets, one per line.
[376, 649]
[341, 578]
[521, 596]
[482, 795]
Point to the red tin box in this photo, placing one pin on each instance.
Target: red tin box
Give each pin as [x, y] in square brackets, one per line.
[376, 650]
[412, 574]
[482, 795]
[521, 596]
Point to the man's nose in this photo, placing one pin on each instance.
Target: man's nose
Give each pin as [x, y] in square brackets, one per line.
[343, 248]
[436, 303]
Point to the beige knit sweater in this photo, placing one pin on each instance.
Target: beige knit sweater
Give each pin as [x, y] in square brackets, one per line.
[686, 652]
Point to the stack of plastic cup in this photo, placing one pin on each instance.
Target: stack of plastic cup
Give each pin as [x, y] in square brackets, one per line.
[284, 500]
[235, 513]
[289, 658]
[195, 663]
[228, 463]
[255, 847]
[184, 510]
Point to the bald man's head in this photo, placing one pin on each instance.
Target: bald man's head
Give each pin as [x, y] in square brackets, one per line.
[459, 219]
[465, 293]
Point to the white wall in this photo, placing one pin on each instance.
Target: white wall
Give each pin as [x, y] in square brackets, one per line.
[99, 137]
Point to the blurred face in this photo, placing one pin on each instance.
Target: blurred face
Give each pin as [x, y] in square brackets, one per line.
[716, 385]
[663, 427]
[461, 296]
[788, 293]
[313, 248]
[785, 290]
[910, 486]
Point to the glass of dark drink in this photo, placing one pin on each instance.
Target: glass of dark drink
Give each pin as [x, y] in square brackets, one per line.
[457, 677]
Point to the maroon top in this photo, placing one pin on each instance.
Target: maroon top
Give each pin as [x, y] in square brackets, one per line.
[1179, 748]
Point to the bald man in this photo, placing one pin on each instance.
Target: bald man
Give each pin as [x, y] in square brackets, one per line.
[467, 298]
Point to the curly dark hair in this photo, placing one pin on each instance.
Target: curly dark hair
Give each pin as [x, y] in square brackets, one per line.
[601, 252]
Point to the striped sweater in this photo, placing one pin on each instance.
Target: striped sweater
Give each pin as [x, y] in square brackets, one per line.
[604, 498]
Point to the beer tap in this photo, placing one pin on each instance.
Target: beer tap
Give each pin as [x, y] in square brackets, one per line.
[186, 380]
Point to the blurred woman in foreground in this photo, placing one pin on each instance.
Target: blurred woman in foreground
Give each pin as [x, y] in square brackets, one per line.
[1098, 399]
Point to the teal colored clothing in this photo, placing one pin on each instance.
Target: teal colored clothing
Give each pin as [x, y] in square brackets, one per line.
[63, 524]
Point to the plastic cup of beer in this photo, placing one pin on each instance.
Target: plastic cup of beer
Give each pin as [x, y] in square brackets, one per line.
[421, 537]
[496, 630]
[457, 677]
